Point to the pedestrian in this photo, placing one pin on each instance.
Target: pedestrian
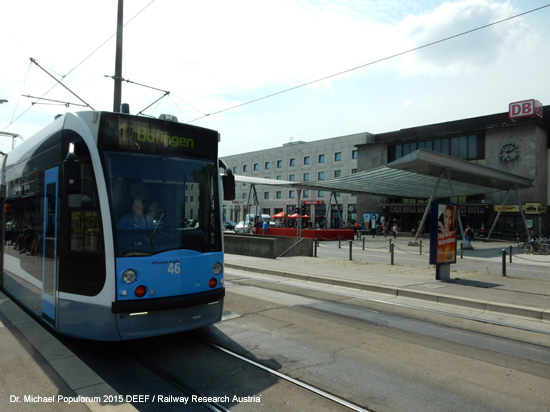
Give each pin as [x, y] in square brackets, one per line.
[395, 229]
[264, 227]
[469, 236]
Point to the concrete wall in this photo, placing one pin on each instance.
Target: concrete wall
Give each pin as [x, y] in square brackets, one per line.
[267, 246]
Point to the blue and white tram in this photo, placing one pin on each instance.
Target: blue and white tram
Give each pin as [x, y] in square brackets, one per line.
[112, 226]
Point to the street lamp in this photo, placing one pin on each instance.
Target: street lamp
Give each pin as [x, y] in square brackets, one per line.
[3, 101]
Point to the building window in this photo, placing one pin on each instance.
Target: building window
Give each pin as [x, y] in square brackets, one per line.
[279, 164]
[306, 160]
[305, 194]
[354, 154]
[337, 173]
[321, 176]
[279, 194]
[267, 165]
[337, 156]
[245, 168]
[279, 177]
[353, 171]
[320, 193]
[292, 162]
[306, 177]
[291, 194]
[321, 158]
[266, 195]
[256, 167]
[464, 147]
[292, 178]
[234, 169]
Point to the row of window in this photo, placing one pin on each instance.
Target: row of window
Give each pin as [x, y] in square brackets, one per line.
[292, 162]
[306, 176]
[306, 194]
[470, 147]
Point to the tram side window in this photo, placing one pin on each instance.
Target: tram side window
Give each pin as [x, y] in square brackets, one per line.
[85, 230]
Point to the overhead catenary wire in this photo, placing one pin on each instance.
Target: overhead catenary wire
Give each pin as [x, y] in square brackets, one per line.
[79, 64]
[370, 63]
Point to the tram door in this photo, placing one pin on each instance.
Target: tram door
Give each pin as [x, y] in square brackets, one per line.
[49, 244]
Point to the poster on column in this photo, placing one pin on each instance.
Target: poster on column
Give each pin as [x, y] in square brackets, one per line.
[443, 233]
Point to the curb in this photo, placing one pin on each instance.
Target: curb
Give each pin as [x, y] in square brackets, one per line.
[539, 314]
[77, 375]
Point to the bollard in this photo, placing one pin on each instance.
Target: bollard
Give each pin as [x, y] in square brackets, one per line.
[503, 262]
[350, 245]
[510, 253]
[339, 242]
[317, 240]
[461, 251]
[421, 246]
[315, 248]
[363, 243]
[391, 251]
[390, 245]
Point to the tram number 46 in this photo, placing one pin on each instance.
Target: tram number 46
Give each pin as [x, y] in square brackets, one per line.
[174, 268]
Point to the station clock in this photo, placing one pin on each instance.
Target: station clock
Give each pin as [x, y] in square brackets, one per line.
[509, 151]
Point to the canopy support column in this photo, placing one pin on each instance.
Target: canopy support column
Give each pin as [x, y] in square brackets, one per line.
[499, 212]
[458, 212]
[425, 216]
[522, 212]
[252, 193]
[299, 211]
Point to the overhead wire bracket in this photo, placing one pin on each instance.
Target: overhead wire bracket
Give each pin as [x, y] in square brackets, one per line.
[49, 74]
[166, 92]
[67, 104]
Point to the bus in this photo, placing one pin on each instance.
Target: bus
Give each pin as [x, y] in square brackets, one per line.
[112, 226]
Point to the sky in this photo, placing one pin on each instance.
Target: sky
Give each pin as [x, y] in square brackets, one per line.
[264, 73]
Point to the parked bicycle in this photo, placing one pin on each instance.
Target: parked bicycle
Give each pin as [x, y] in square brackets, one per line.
[541, 245]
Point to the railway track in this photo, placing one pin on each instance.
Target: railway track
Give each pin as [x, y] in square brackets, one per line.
[191, 370]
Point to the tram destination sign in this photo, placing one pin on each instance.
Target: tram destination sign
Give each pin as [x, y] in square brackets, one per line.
[118, 131]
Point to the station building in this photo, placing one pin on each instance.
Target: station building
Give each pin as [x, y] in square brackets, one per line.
[296, 161]
[516, 142]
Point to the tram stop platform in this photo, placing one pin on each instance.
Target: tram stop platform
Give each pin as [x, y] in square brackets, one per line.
[37, 372]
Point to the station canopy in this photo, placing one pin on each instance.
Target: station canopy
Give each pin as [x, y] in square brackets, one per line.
[415, 175]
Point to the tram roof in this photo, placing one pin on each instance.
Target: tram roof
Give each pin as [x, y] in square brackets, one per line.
[415, 175]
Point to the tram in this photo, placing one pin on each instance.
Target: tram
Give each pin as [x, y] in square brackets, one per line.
[112, 225]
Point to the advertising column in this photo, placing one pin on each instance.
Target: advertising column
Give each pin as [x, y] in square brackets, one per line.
[443, 238]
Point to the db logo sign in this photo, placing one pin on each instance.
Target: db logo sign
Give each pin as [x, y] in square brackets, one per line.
[525, 108]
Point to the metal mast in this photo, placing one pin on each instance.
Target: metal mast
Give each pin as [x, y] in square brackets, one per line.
[118, 60]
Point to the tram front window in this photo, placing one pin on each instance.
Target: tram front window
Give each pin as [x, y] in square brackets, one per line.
[162, 203]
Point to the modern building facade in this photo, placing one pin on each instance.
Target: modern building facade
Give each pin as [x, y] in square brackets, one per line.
[516, 142]
[297, 161]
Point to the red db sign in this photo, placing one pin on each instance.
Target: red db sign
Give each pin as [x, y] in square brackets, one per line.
[525, 108]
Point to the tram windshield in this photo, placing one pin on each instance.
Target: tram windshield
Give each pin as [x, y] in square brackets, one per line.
[162, 203]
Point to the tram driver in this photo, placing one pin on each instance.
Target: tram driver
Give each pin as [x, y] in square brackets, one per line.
[137, 220]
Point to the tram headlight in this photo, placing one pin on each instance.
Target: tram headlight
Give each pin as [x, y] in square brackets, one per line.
[217, 269]
[129, 276]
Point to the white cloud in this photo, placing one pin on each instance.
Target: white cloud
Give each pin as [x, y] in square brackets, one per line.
[216, 54]
[463, 54]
